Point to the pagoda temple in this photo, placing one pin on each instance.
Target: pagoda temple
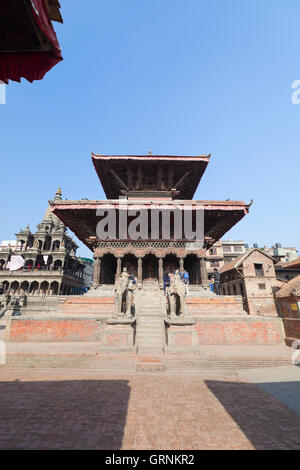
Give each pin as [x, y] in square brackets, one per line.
[162, 187]
[150, 225]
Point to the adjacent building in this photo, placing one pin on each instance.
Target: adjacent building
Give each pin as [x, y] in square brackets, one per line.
[42, 263]
[288, 298]
[88, 271]
[223, 252]
[278, 252]
[252, 275]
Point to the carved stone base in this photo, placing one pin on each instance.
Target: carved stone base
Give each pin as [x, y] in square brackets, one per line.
[120, 321]
[183, 320]
[181, 334]
[119, 333]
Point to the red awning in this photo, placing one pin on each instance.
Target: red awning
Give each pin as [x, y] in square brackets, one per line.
[37, 52]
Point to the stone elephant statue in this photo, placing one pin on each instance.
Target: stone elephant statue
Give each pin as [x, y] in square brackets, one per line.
[177, 293]
[124, 289]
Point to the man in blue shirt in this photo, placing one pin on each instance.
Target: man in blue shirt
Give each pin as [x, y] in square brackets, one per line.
[167, 282]
[186, 280]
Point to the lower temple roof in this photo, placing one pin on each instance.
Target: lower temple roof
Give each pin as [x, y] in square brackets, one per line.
[81, 218]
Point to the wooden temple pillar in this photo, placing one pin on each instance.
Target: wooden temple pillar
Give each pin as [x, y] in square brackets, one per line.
[97, 271]
[203, 271]
[181, 265]
[140, 270]
[119, 267]
[160, 270]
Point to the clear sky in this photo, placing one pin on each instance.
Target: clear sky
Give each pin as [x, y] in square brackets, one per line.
[173, 76]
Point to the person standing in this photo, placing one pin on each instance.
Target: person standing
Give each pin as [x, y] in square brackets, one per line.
[217, 278]
[167, 282]
[186, 280]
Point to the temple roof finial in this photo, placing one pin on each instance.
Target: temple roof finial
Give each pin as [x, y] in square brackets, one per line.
[149, 152]
[58, 194]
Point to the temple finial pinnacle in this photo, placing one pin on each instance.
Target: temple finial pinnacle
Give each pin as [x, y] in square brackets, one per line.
[58, 194]
[149, 152]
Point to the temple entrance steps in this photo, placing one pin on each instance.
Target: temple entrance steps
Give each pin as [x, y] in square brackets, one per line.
[150, 327]
[150, 285]
[201, 291]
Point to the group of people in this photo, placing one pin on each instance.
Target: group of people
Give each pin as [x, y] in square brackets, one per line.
[169, 278]
[215, 277]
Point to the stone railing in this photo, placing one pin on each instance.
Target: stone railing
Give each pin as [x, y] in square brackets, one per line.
[32, 272]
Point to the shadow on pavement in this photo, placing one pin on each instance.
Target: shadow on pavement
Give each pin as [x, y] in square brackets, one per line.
[83, 414]
[263, 419]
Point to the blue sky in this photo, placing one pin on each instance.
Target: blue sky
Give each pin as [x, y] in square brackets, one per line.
[173, 76]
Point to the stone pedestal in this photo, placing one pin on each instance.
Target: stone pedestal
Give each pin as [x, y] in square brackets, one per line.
[119, 333]
[181, 334]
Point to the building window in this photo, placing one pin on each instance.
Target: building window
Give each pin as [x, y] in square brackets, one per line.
[213, 251]
[262, 286]
[238, 248]
[227, 249]
[214, 264]
[258, 269]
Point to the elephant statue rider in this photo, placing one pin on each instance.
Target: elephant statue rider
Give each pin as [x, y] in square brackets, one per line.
[176, 295]
[124, 288]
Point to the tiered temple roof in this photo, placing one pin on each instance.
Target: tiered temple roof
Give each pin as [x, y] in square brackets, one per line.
[149, 180]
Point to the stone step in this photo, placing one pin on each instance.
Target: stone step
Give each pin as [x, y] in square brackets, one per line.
[149, 339]
[149, 330]
[149, 350]
[119, 362]
[153, 333]
[150, 321]
[150, 315]
[153, 306]
[150, 366]
[154, 311]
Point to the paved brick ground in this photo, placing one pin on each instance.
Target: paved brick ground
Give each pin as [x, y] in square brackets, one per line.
[89, 410]
[281, 382]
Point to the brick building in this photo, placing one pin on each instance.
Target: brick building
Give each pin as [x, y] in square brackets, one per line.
[288, 298]
[287, 271]
[252, 275]
[223, 252]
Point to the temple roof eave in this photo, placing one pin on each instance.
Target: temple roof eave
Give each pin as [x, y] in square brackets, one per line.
[78, 215]
[93, 204]
[109, 168]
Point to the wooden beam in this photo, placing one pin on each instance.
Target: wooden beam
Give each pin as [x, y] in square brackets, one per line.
[181, 180]
[119, 180]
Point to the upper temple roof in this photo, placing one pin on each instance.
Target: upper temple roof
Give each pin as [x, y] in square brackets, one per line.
[176, 175]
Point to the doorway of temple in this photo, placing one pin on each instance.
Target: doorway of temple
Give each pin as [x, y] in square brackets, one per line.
[150, 268]
[192, 266]
[130, 262]
[108, 269]
[170, 264]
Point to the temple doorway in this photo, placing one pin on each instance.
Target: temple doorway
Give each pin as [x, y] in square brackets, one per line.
[150, 268]
[171, 263]
[130, 262]
[192, 266]
[108, 269]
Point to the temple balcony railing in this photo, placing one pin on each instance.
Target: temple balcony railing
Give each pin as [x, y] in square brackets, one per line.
[41, 272]
[149, 243]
